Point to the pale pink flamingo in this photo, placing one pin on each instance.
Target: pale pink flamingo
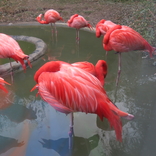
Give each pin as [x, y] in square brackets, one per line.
[77, 21]
[124, 39]
[50, 16]
[70, 89]
[9, 48]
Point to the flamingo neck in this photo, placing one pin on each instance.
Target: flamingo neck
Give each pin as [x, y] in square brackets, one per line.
[41, 21]
[48, 67]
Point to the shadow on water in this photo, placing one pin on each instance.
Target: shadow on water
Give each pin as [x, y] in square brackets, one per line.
[61, 146]
[6, 143]
[39, 130]
[20, 114]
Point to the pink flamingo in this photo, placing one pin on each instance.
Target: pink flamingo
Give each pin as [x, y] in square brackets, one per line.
[9, 48]
[70, 89]
[124, 39]
[103, 26]
[51, 16]
[2, 82]
[77, 21]
[99, 70]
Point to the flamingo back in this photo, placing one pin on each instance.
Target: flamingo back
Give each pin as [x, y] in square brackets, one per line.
[52, 16]
[78, 22]
[125, 39]
[87, 66]
[70, 89]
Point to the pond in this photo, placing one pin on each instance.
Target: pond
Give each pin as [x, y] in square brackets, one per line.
[31, 127]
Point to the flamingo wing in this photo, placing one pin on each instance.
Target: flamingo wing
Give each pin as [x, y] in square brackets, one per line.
[2, 82]
[124, 40]
[87, 66]
[69, 91]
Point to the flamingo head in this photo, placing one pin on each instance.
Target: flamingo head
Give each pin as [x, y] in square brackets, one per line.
[38, 18]
[52, 66]
[2, 82]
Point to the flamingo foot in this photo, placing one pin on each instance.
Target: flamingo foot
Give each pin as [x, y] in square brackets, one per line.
[129, 117]
[71, 131]
[118, 76]
[71, 137]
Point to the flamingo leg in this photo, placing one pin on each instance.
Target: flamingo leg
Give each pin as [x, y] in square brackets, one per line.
[119, 69]
[71, 132]
[52, 30]
[55, 31]
[11, 71]
[77, 36]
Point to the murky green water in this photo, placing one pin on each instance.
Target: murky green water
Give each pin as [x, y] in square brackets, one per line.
[31, 127]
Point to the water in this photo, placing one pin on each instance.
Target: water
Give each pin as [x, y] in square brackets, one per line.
[29, 126]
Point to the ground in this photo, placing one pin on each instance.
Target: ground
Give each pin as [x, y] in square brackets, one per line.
[138, 15]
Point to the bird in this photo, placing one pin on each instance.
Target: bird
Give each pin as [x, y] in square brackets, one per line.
[9, 48]
[77, 21]
[70, 89]
[99, 70]
[2, 82]
[121, 38]
[103, 26]
[50, 16]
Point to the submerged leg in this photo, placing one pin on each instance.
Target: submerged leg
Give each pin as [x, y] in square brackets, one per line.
[77, 36]
[71, 130]
[11, 71]
[55, 31]
[119, 69]
[52, 30]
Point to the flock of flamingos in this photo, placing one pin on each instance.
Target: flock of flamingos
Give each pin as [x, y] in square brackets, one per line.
[78, 87]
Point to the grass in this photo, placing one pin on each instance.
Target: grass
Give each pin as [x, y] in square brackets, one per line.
[138, 14]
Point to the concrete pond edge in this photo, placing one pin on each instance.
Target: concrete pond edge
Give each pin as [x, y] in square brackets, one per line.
[40, 50]
[34, 56]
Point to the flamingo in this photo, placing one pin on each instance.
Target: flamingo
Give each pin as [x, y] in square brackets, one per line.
[77, 21]
[121, 39]
[103, 26]
[9, 48]
[70, 89]
[2, 82]
[99, 70]
[51, 16]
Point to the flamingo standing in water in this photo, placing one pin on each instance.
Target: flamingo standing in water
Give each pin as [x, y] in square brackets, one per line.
[51, 16]
[99, 70]
[77, 21]
[2, 82]
[103, 26]
[122, 38]
[70, 89]
[9, 48]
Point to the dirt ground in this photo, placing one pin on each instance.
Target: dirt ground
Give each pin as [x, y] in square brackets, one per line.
[138, 15]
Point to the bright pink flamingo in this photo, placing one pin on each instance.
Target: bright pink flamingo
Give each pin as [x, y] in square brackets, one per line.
[124, 39]
[77, 21]
[99, 70]
[2, 82]
[9, 48]
[51, 16]
[70, 89]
